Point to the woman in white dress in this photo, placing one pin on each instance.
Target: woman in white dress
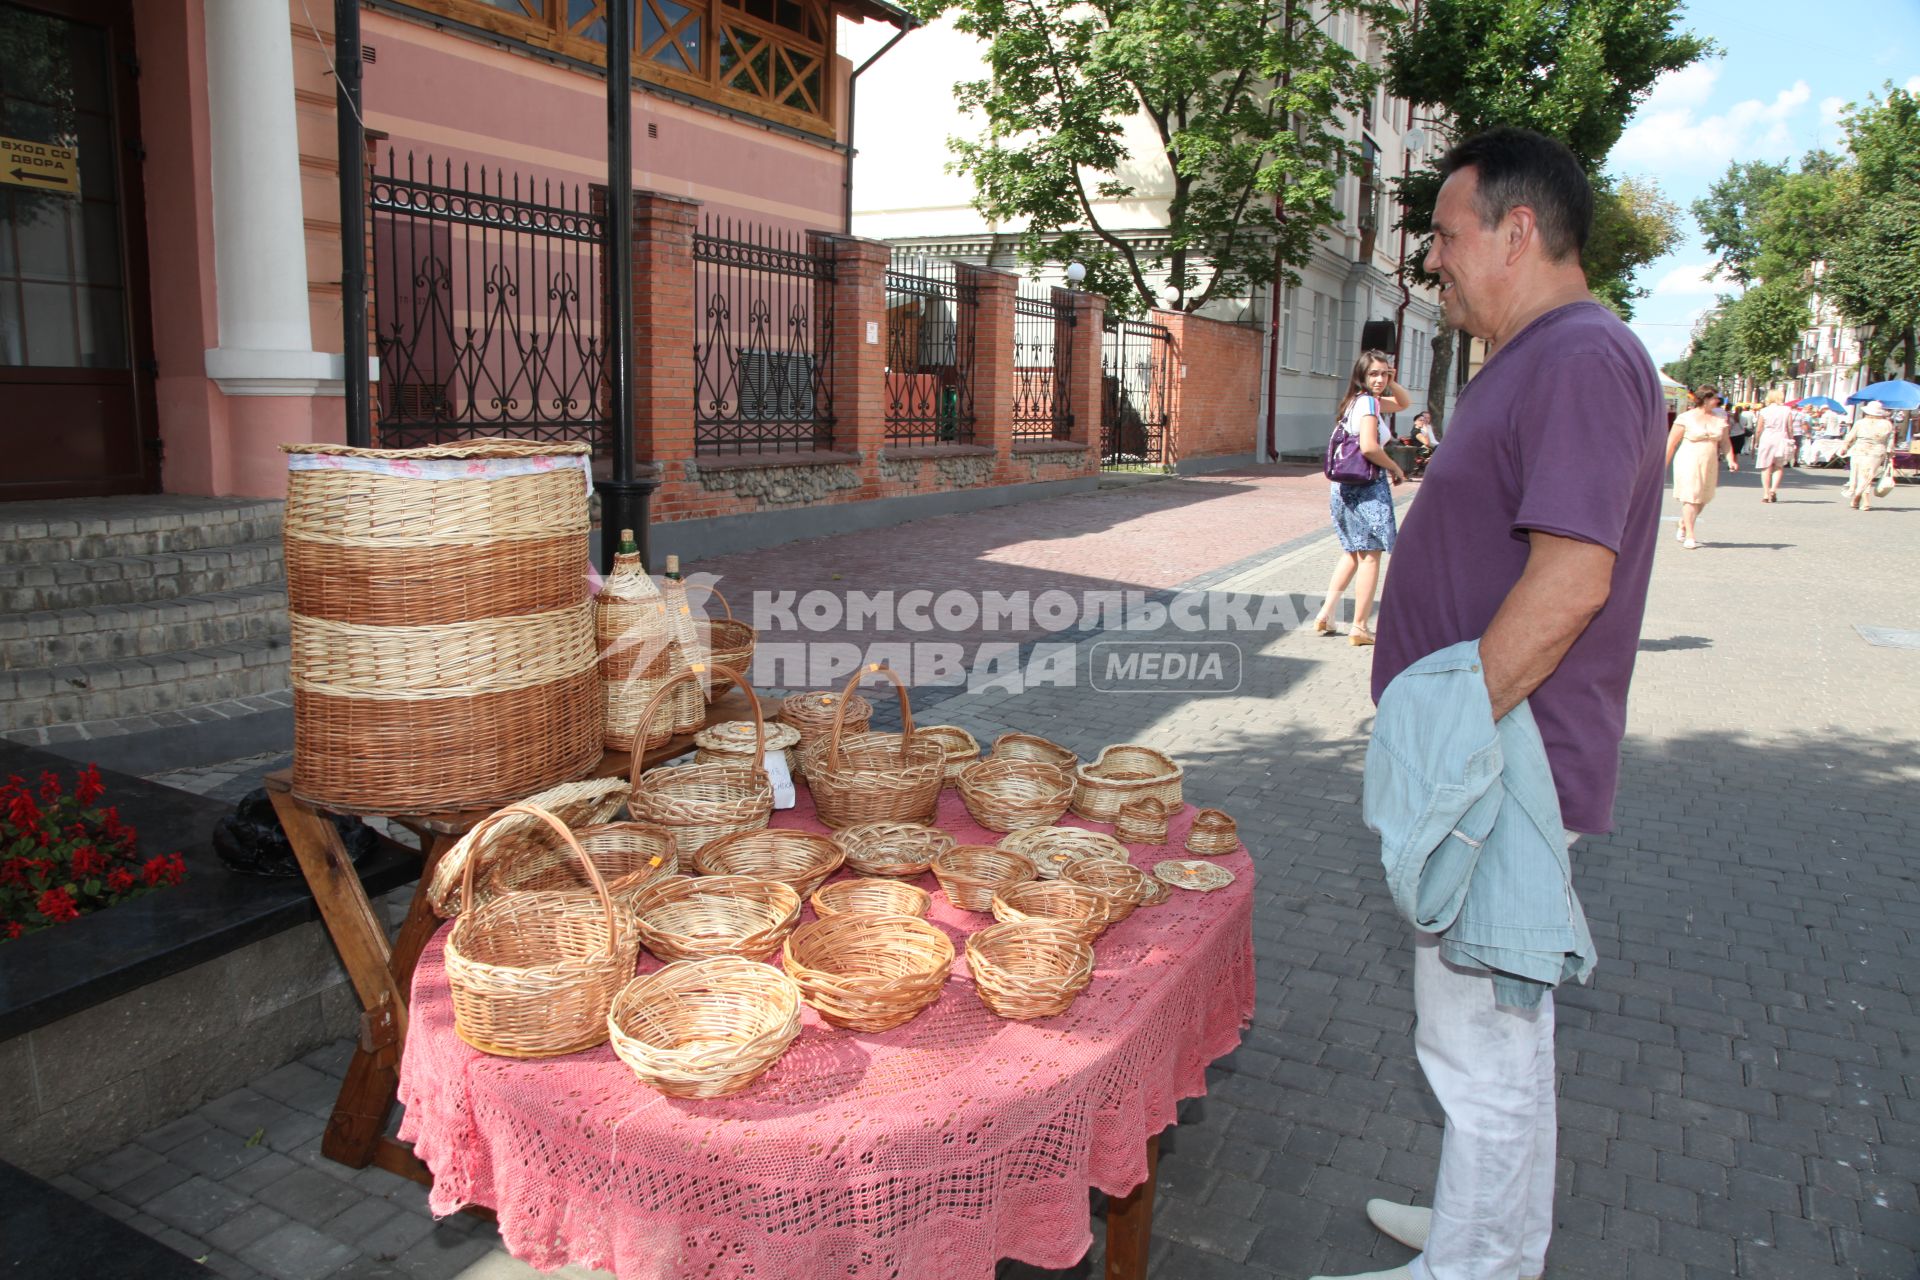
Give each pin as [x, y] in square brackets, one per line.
[1696, 443]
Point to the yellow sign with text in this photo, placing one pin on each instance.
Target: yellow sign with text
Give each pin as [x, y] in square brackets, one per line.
[39, 166]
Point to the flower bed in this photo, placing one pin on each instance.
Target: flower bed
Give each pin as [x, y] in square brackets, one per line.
[63, 854]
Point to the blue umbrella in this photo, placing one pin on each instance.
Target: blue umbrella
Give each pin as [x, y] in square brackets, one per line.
[1895, 394]
[1820, 402]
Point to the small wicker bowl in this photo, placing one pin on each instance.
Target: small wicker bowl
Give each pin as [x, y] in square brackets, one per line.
[1213, 833]
[1142, 822]
[1025, 746]
[576, 804]
[877, 897]
[629, 856]
[868, 972]
[683, 918]
[1053, 849]
[704, 1028]
[892, 848]
[801, 859]
[961, 747]
[1028, 969]
[1124, 885]
[1005, 794]
[1085, 911]
[971, 874]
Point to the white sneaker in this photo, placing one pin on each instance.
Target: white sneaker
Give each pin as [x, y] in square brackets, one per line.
[1691, 545]
[1407, 1223]
[1395, 1273]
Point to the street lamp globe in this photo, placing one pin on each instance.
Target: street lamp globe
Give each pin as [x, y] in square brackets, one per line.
[1076, 272]
[1415, 139]
[1172, 294]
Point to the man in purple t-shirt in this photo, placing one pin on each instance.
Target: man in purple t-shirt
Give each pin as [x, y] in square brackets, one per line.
[1534, 533]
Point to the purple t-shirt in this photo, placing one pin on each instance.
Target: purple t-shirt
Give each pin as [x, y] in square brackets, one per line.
[1562, 431]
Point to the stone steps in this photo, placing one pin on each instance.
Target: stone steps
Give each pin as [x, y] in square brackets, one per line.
[57, 637]
[86, 583]
[47, 532]
[140, 686]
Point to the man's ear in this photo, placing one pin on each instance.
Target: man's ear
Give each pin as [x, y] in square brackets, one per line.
[1518, 228]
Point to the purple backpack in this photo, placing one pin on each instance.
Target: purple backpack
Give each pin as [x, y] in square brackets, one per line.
[1345, 463]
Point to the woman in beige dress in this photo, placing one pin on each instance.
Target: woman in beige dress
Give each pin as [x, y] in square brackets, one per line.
[1694, 448]
[1774, 454]
[1866, 447]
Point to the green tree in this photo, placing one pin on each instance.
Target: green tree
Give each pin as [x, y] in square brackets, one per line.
[1244, 98]
[1873, 275]
[1633, 224]
[1730, 215]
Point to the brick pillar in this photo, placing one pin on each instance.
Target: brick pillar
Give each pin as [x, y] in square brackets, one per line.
[664, 323]
[987, 354]
[1089, 311]
[1175, 368]
[857, 374]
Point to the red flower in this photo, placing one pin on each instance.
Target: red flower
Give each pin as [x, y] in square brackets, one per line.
[88, 861]
[168, 869]
[117, 830]
[87, 787]
[58, 906]
[49, 787]
[119, 880]
[24, 813]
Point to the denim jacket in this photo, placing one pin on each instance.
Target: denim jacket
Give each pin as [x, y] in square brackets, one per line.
[1470, 831]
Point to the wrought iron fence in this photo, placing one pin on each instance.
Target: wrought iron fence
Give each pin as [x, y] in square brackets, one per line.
[763, 301]
[489, 311]
[1042, 366]
[1136, 364]
[930, 353]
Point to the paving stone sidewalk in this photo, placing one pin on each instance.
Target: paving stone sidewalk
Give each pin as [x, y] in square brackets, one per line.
[1740, 1082]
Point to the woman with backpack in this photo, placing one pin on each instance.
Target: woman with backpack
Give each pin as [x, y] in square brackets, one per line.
[1361, 497]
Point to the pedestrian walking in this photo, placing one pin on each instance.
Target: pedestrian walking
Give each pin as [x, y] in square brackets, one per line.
[1363, 512]
[1517, 603]
[1867, 447]
[1775, 451]
[1741, 428]
[1695, 445]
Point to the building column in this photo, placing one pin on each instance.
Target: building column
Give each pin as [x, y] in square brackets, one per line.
[989, 362]
[857, 374]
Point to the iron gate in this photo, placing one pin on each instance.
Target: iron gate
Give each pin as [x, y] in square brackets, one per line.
[489, 308]
[1136, 362]
[931, 315]
[1042, 366]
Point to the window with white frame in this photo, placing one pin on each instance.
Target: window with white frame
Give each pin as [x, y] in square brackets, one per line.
[1289, 327]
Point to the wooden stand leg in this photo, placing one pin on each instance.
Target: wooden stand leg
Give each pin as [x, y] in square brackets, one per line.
[1130, 1224]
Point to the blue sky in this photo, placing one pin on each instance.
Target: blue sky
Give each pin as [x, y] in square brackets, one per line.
[1777, 88]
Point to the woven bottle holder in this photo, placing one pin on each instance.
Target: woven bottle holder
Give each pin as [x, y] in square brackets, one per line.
[800, 859]
[875, 777]
[813, 715]
[970, 874]
[629, 856]
[874, 896]
[868, 972]
[704, 1028]
[700, 803]
[722, 642]
[1053, 849]
[533, 974]
[1141, 822]
[1074, 906]
[640, 652]
[959, 747]
[1025, 746]
[1212, 834]
[576, 804]
[1028, 969]
[1004, 793]
[687, 917]
[442, 652]
[892, 848]
[1124, 885]
[1121, 774]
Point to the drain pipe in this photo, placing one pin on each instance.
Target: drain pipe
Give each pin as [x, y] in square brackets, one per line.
[853, 90]
[1273, 303]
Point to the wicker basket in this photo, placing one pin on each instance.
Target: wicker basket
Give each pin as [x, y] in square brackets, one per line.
[813, 715]
[1006, 794]
[1028, 969]
[577, 804]
[704, 1028]
[1121, 774]
[797, 858]
[878, 777]
[687, 918]
[875, 897]
[971, 874]
[1141, 822]
[442, 649]
[732, 743]
[1024, 746]
[1124, 885]
[532, 974]
[700, 803]
[958, 746]
[892, 848]
[723, 642]
[868, 972]
[629, 856]
[640, 652]
[1085, 911]
[1213, 833]
[1053, 849]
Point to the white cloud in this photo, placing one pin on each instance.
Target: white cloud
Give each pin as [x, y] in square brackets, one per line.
[1670, 132]
[1702, 279]
[1913, 85]
[1831, 109]
[1668, 341]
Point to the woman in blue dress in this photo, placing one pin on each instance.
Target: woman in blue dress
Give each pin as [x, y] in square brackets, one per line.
[1363, 513]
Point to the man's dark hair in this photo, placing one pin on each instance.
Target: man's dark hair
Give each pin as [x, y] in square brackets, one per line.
[1520, 167]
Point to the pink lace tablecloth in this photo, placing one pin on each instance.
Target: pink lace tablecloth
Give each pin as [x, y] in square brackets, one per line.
[926, 1152]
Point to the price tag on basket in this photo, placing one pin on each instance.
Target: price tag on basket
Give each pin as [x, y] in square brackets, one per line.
[781, 777]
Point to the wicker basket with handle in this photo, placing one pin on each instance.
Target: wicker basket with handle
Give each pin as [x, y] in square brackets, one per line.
[813, 715]
[629, 855]
[1006, 794]
[801, 859]
[874, 896]
[892, 848]
[700, 803]
[1081, 909]
[577, 804]
[687, 917]
[439, 597]
[1029, 969]
[970, 874]
[723, 643]
[704, 1028]
[878, 777]
[533, 974]
[1123, 773]
[640, 651]
[868, 972]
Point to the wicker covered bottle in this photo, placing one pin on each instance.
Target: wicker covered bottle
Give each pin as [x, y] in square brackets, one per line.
[640, 651]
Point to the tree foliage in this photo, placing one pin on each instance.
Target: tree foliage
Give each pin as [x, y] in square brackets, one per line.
[1633, 224]
[1245, 101]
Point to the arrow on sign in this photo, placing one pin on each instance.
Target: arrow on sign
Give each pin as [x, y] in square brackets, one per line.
[25, 176]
